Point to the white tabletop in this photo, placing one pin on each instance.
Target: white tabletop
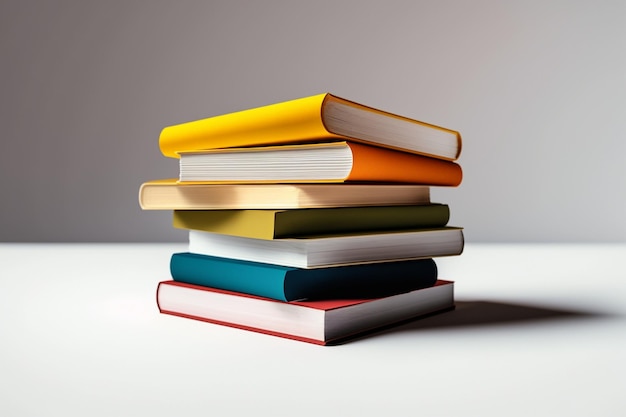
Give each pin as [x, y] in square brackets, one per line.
[539, 330]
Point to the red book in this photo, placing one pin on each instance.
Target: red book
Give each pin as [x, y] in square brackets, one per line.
[315, 321]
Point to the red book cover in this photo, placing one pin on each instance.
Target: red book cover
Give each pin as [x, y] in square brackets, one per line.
[259, 314]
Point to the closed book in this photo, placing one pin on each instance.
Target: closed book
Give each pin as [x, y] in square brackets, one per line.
[167, 194]
[332, 250]
[311, 119]
[277, 224]
[319, 162]
[288, 283]
[321, 322]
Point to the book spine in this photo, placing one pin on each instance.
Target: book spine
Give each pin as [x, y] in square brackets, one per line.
[259, 224]
[291, 121]
[264, 280]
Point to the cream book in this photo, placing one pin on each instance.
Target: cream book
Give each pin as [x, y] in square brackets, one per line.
[167, 194]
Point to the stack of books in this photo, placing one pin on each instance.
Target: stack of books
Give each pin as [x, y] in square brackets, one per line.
[309, 219]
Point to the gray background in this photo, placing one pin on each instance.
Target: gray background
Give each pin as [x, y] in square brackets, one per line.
[537, 89]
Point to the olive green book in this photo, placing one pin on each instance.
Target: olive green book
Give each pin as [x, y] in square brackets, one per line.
[278, 224]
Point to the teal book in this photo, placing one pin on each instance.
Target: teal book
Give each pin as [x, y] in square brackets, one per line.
[286, 283]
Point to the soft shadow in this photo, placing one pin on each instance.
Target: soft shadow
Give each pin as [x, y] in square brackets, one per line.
[490, 313]
[481, 314]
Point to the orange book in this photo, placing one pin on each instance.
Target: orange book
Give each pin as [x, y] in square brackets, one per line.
[318, 118]
[318, 162]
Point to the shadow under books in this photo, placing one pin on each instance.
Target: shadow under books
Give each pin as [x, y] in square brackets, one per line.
[483, 313]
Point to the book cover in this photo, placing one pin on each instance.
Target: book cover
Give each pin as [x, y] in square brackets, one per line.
[320, 322]
[311, 119]
[288, 283]
[167, 194]
[332, 250]
[318, 162]
[278, 224]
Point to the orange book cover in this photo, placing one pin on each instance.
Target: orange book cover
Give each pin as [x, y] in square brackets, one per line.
[318, 162]
[374, 164]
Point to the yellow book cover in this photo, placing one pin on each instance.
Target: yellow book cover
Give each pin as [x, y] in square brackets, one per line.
[311, 119]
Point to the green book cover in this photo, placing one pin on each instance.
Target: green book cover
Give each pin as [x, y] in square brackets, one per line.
[277, 224]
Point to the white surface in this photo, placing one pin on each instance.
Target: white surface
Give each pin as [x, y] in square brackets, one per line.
[81, 335]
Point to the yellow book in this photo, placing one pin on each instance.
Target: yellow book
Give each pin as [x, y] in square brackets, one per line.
[311, 119]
